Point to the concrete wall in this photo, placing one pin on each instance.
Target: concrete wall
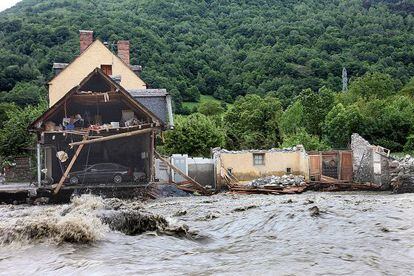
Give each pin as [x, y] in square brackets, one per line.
[202, 170]
[276, 162]
[96, 55]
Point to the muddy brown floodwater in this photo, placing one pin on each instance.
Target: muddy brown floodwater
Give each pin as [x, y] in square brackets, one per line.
[311, 233]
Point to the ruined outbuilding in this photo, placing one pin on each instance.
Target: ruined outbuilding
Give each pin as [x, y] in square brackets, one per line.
[370, 162]
[248, 165]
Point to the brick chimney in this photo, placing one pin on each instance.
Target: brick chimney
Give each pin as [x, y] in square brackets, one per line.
[86, 39]
[123, 50]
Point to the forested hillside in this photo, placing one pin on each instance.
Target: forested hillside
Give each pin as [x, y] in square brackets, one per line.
[285, 57]
[220, 48]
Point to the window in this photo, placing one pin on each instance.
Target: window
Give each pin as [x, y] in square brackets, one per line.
[258, 159]
[288, 170]
[107, 69]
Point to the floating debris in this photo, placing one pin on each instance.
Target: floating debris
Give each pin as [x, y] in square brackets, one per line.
[314, 211]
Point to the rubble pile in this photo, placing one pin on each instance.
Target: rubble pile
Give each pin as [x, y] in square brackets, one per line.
[402, 174]
[278, 181]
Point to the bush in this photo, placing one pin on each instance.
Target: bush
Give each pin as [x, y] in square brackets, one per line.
[194, 135]
[310, 142]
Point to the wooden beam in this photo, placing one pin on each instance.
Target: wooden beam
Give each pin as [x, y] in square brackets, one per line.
[180, 172]
[112, 137]
[72, 162]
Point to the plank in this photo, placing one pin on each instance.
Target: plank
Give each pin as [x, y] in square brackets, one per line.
[112, 137]
[72, 162]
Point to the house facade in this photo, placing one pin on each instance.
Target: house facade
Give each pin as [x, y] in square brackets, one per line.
[100, 113]
[95, 54]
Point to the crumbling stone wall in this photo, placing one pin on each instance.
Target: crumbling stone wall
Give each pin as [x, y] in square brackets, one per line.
[403, 175]
[362, 159]
[368, 164]
[21, 171]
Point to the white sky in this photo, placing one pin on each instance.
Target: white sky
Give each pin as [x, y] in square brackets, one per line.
[5, 4]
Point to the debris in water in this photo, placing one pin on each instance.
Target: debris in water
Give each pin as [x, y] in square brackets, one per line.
[241, 209]
[385, 229]
[180, 213]
[314, 211]
[308, 201]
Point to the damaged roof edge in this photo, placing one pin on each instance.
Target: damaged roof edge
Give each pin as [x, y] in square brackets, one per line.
[297, 148]
[158, 101]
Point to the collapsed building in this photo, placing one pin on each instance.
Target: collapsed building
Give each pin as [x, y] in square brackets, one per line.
[101, 112]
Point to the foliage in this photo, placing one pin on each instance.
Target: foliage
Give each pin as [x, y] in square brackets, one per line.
[14, 139]
[210, 108]
[292, 119]
[388, 122]
[301, 137]
[217, 48]
[409, 145]
[315, 107]
[373, 85]
[195, 135]
[408, 89]
[340, 123]
[252, 122]
[24, 93]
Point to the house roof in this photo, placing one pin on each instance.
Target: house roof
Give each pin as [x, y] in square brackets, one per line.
[118, 87]
[156, 100]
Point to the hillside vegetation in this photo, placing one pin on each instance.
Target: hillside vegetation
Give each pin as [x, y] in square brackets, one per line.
[219, 48]
[284, 57]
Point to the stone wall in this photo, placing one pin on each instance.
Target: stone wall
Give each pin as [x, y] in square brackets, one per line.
[21, 171]
[362, 159]
[403, 175]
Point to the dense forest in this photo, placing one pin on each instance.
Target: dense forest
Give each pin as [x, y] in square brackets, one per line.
[286, 56]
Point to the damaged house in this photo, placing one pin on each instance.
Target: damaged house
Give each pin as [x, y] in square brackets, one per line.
[102, 122]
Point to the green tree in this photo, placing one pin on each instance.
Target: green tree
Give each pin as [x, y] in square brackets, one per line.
[292, 119]
[340, 123]
[301, 137]
[252, 122]
[373, 85]
[14, 139]
[408, 89]
[195, 135]
[24, 93]
[315, 107]
[210, 108]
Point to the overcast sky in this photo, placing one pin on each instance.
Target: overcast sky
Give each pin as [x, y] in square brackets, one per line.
[5, 4]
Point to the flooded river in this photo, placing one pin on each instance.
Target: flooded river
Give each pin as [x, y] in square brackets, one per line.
[353, 233]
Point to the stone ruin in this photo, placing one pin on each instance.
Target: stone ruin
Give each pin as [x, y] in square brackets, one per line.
[370, 163]
[402, 173]
[373, 164]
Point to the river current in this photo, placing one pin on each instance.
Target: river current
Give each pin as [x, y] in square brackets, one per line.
[348, 233]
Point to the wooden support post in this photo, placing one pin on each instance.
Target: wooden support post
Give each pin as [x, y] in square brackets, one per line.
[72, 162]
[180, 172]
[151, 157]
[112, 137]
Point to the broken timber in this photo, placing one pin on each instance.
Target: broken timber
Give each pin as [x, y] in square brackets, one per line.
[197, 185]
[72, 162]
[112, 137]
